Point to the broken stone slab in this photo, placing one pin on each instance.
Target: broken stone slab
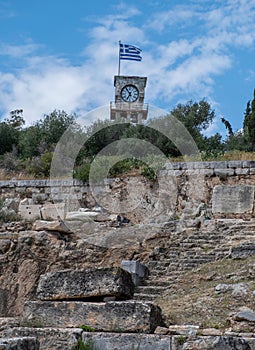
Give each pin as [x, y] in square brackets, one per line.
[210, 332]
[27, 343]
[81, 215]
[82, 284]
[113, 316]
[187, 330]
[57, 225]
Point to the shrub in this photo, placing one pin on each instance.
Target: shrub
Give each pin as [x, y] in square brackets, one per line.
[89, 345]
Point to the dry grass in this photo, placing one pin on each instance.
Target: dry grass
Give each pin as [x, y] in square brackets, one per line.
[7, 175]
[194, 300]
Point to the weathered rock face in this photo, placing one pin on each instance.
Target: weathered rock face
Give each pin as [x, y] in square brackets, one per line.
[212, 343]
[28, 343]
[49, 338]
[232, 199]
[124, 316]
[82, 284]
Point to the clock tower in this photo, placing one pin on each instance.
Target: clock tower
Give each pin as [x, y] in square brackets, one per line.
[129, 99]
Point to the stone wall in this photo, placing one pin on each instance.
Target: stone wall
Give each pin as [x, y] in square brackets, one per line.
[222, 189]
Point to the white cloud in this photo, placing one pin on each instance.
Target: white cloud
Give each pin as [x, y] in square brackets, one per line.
[175, 68]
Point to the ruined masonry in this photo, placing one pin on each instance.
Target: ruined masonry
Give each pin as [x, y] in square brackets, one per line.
[75, 298]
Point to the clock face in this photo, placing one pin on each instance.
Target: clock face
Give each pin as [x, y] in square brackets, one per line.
[129, 93]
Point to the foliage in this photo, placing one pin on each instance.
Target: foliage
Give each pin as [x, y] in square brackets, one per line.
[87, 328]
[181, 339]
[227, 126]
[8, 137]
[40, 166]
[89, 345]
[82, 172]
[249, 122]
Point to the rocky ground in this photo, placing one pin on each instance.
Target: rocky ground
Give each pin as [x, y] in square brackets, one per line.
[200, 276]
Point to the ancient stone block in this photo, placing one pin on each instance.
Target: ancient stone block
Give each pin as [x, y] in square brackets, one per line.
[53, 211]
[28, 343]
[232, 199]
[30, 212]
[139, 272]
[211, 343]
[112, 341]
[49, 338]
[115, 316]
[42, 225]
[80, 284]
[81, 215]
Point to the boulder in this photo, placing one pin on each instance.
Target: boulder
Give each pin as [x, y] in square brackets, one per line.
[115, 316]
[57, 225]
[245, 315]
[81, 284]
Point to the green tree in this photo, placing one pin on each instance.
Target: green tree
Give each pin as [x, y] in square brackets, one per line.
[8, 137]
[249, 122]
[16, 119]
[227, 126]
[43, 136]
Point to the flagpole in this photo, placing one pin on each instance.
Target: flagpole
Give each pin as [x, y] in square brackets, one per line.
[119, 58]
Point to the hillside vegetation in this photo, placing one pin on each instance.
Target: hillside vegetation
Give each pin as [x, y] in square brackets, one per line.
[27, 151]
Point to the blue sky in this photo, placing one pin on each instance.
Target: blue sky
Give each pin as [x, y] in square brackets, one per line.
[63, 54]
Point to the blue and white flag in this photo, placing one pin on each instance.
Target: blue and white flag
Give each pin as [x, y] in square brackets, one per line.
[130, 52]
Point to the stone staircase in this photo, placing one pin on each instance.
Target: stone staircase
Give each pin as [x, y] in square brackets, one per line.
[189, 250]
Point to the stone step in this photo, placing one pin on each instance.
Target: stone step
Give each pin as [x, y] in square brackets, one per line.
[144, 297]
[150, 289]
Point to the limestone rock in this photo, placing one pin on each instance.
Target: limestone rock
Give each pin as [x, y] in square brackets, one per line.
[238, 289]
[81, 215]
[213, 343]
[28, 343]
[187, 330]
[80, 284]
[245, 315]
[210, 332]
[57, 225]
[53, 211]
[232, 199]
[115, 316]
[113, 341]
[66, 338]
[242, 251]
[49, 338]
[161, 330]
[30, 212]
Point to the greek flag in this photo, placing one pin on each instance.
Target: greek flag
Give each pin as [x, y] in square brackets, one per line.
[129, 52]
